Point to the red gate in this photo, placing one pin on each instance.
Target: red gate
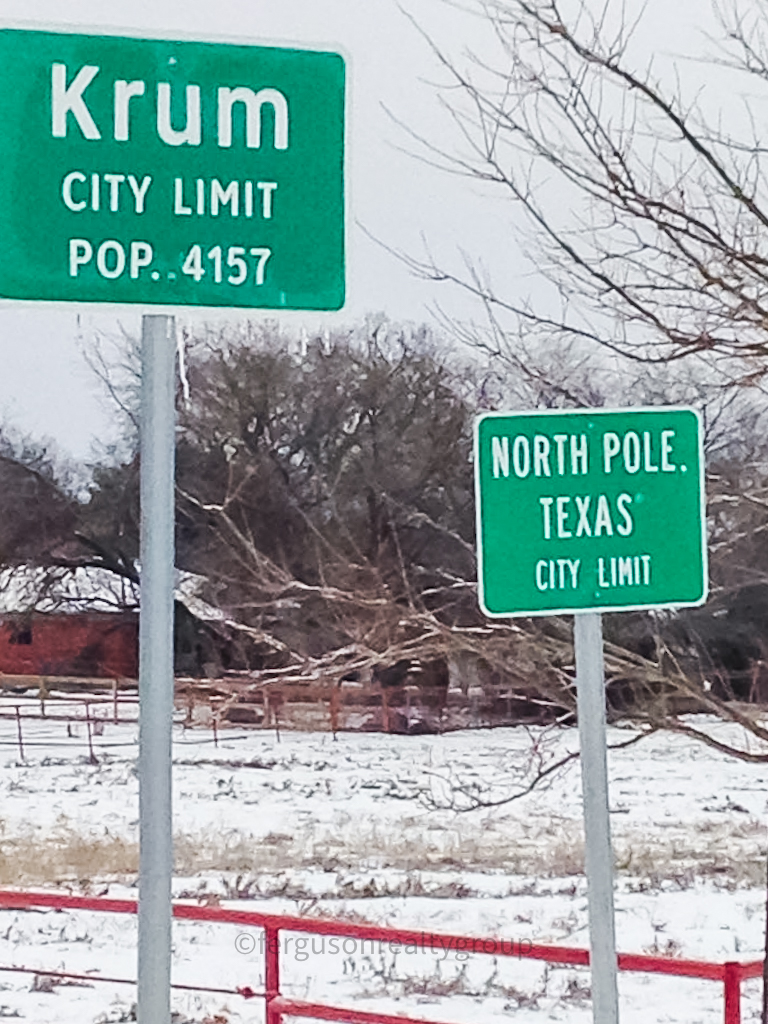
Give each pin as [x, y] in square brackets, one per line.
[730, 974]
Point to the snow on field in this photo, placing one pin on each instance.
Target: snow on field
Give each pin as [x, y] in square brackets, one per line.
[360, 829]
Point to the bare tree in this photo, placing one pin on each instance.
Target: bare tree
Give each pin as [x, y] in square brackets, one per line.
[648, 222]
[331, 483]
[38, 506]
[639, 198]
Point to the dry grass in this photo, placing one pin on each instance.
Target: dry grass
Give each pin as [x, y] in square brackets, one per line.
[358, 850]
[32, 859]
[371, 861]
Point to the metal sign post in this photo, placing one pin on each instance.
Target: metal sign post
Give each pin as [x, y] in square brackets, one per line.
[582, 511]
[168, 172]
[598, 853]
[158, 358]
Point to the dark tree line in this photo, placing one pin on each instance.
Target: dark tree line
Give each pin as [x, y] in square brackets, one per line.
[325, 502]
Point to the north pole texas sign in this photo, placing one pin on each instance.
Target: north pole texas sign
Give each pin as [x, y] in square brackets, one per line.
[589, 510]
[139, 170]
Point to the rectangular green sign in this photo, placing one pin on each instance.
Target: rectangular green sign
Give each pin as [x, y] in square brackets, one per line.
[590, 510]
[170, 173]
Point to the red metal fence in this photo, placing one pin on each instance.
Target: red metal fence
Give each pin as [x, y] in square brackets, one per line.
[729, 974]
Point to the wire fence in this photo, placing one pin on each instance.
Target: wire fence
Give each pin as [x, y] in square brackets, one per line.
[91, 724]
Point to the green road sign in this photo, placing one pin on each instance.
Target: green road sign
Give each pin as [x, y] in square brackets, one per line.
[590, 510]
[171, 173]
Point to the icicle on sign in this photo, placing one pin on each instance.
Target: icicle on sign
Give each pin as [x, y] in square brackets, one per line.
[174, 173]
[590, 510]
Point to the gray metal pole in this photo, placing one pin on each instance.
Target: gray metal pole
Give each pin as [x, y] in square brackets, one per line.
[158, 354]
[590, 687]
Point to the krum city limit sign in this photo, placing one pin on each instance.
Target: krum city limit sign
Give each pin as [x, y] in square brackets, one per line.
[167, 173]
[590, 510]
[170, 173]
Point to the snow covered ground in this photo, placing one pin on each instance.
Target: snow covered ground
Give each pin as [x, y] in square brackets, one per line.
[362, 829]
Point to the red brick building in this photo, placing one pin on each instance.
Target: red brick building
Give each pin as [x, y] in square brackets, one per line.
[90, 644]
[67, 622]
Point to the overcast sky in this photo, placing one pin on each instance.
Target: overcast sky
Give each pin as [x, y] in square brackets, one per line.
[45, 385]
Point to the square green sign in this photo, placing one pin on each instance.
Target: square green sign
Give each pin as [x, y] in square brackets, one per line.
[170, 173]
[590, 510]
